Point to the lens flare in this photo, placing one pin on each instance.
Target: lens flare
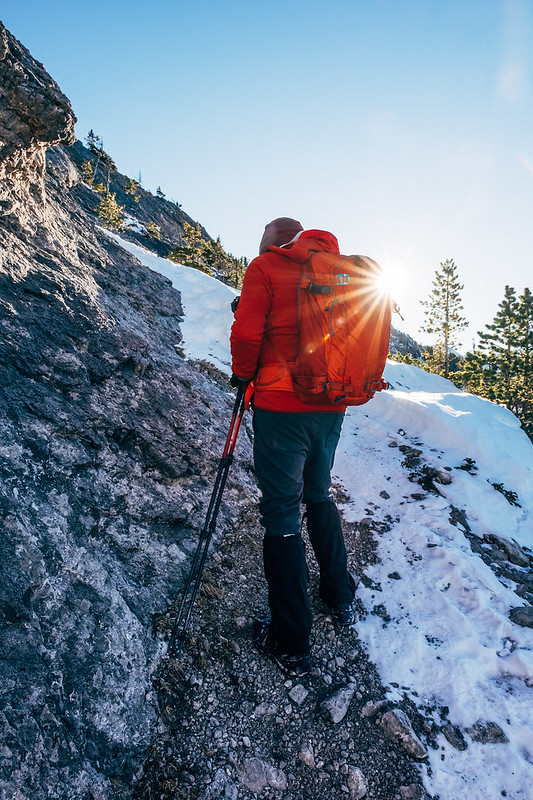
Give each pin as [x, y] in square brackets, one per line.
[389, 282]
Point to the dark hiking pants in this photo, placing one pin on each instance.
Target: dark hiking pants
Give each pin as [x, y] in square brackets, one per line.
[293, 456]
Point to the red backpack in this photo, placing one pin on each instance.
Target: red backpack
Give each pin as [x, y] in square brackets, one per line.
[344, 320]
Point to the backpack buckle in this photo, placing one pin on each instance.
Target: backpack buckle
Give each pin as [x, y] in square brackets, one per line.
[342, 279]
[318, 288]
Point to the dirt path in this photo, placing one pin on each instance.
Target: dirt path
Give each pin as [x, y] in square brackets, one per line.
[233, 726]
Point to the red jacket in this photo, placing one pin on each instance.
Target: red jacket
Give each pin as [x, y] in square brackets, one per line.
[266, 325]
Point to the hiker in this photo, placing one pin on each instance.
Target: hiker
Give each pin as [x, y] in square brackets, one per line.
[294, 448]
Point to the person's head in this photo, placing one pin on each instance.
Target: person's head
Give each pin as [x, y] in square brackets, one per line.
[278, 232]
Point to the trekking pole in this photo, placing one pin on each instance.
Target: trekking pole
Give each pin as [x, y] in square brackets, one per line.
[181, 623]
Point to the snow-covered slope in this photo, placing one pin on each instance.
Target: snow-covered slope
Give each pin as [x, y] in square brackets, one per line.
[448, 476]
[447, 638]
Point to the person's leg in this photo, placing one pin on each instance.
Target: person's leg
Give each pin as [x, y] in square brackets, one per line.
[288, 601]
[280, 448]
[281, 444]
[337, 586]
[324, 434]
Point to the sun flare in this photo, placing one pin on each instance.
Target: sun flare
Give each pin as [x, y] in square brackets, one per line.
[390, 281]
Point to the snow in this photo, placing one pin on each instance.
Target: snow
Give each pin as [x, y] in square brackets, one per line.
[206, 306]
[450, 641]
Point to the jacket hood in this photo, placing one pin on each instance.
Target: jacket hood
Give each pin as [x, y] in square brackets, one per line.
[279, 232]
[308, 242]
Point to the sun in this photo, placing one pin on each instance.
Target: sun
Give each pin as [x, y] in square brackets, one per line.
[390, 281]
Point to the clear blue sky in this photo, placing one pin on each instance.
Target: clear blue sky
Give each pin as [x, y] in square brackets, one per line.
[404, 126]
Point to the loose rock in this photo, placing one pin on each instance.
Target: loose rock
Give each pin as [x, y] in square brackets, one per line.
[512, 550]
[371, 708]
[454, 736]
[487, 733]
[356, 783]
[413, 792]
[335, 707]
[397, 726]
[222, 788]
[298, 693]
[522, 615]
[306, 754]
[257, 774]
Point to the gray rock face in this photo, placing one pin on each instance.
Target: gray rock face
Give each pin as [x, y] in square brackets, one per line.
[108, 450]
[34, 114]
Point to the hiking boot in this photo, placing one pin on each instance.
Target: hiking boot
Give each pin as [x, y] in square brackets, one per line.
[344, 615]
[293, 665]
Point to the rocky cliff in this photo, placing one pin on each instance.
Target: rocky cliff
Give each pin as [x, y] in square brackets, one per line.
[34, 114]
[108, 444]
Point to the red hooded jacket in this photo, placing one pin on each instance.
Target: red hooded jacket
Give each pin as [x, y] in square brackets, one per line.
[266, 325]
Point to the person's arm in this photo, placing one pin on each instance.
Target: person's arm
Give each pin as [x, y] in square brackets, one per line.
[250, 320]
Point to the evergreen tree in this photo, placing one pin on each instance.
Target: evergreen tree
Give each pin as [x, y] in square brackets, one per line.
[525, 323]
[208, 255]
[443, 316]
[499, 346]
[475, 375]
[160, 193]
[215, 256]
[132, 188]
[190, 252]
[237, 271]
[96, 146]
[501, 368]
[110, 213]
[525, 361]
[93, 142]
[154, 230]
[87, 172]
[192, 235]
[108, 162]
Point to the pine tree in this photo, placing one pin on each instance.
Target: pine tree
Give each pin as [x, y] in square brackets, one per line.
[215, 256]
[110, 213]
[132, 188]
[192, 234]
[236, 275]
[525, 361]
[442, 313]
[93, 142]
[87, 172]
[525, 323]
[154, 230]
[208, 255]
[96, 146]
[499, 346]
[190, 252]
[476, 375]
[501, 369]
